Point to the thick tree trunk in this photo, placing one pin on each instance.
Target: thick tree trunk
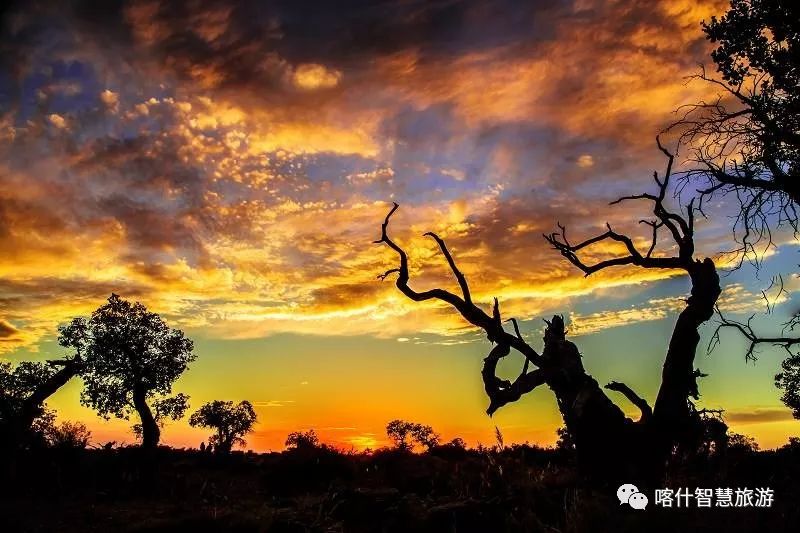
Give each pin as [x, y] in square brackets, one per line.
[610, 447]
[599, 428]
[672, 416]
[151, 434]
[225, 447]
[224, 442]
[32, 405]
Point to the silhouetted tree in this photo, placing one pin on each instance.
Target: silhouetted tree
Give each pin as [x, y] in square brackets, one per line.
[457, 442]
[609, 445]
[131, 357]
[747, 141]
[400, 431]
[232, 422]
[742, 443]
[23, 391]
[38, 435]
[425, 436]
[792, 444]
[788, 380]
[302, 440]
[745, 144]
[714, 438]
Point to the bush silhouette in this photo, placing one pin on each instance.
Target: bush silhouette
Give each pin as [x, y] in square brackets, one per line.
[69, 435]
[302, 440]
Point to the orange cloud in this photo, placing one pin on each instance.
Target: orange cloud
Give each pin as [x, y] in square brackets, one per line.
[245, 204]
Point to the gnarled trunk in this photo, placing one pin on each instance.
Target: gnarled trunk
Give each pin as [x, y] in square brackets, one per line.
[611, 447]
[151, 434]
[672, 416]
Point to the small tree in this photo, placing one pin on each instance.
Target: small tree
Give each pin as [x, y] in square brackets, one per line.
[742, 443]
[399, 431]
[457, 442]
[131, 357]
[302, 440]
[232, 422]
[425, 436]
[714, 437]
[788, 380]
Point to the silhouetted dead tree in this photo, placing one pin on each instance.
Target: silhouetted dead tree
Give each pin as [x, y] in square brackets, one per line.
[610, 447]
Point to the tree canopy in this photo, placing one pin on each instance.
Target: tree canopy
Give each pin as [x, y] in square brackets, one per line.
[131, 358]
[231, 422]
[302, 440]
[746, 143]
[406, 434]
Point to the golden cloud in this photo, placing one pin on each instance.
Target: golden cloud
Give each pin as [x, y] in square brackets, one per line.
[311, 76]
[207, 200]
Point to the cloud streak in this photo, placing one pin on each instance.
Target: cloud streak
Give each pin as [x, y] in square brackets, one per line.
[758, 416]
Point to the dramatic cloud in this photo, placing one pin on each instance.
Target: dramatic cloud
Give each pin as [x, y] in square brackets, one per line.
[229, 163]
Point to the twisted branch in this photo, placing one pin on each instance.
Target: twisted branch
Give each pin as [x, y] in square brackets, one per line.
[635, 399]
[681, 229]
[753, 339]
[492, 325]
[500, 391]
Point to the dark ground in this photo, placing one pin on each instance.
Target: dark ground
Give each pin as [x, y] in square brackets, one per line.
[449, 489]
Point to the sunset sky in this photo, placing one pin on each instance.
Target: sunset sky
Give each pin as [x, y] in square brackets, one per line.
[229, 165]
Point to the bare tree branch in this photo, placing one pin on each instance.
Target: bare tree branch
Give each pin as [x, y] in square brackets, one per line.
[492, 325]
[753, 339]
[681, 228]
[635, 399]
[462, 282]
[745, 144]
